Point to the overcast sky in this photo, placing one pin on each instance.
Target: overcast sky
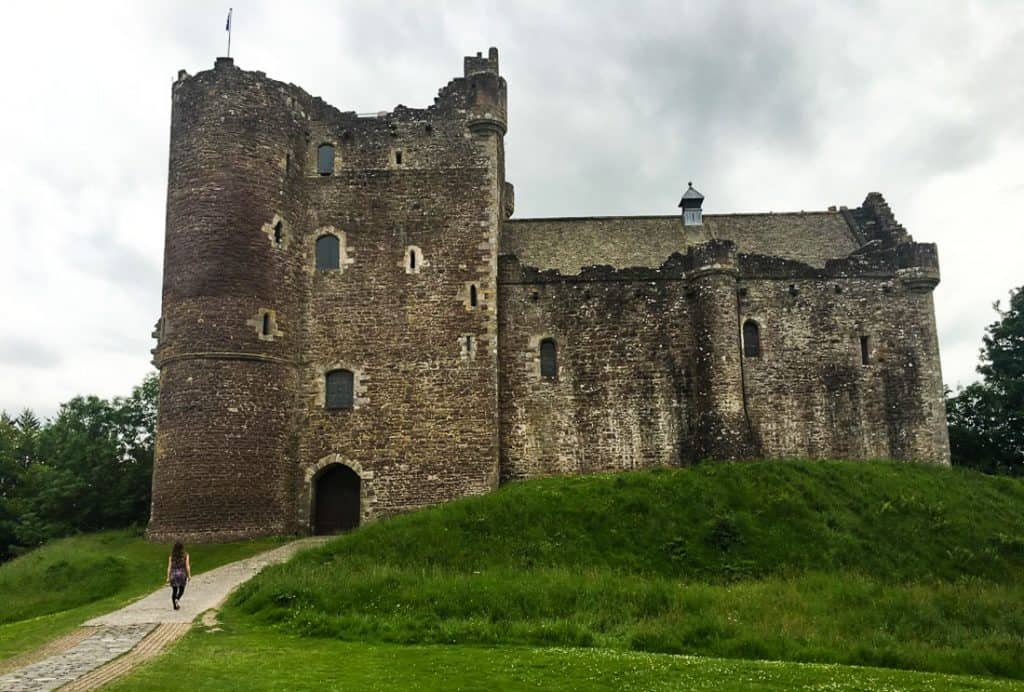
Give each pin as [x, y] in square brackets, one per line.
[613, 106]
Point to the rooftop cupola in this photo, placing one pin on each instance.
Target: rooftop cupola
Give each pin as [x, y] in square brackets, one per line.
[690, 204]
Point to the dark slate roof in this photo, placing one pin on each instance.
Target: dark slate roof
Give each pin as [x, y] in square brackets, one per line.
[568, 244]
[691, 198]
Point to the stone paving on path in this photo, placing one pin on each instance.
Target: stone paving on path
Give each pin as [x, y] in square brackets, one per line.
[89, 661]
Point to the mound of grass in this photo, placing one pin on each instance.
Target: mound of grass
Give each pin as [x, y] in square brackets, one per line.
[886, 564]
[65, 582]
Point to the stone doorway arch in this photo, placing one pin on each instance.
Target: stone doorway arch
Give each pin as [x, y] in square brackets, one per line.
[337, 499]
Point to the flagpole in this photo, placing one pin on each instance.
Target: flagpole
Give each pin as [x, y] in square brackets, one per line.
[230, 10]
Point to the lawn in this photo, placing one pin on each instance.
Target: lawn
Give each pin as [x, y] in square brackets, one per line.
[253, 658]
[57, 587]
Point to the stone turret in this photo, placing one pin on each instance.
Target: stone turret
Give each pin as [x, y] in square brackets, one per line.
[722, 431]
[229, 324]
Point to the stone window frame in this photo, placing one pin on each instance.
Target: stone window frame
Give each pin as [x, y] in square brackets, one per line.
[468, 347]
[759, 327]
[398, 157]
[367, 494]
[345, 402]
[345, 251]
[466, 295]
[533, 357]
[421, 261]
[336, 167]
[257, 323]
[867, 349]
[286, 234]
[359, 386]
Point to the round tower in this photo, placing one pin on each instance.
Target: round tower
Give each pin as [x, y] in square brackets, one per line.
[721, 425]
[229, 329]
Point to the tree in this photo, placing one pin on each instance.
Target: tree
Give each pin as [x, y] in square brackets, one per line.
[986, 419]
[87, 469]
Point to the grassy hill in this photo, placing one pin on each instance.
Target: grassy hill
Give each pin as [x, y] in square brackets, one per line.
[883, 564]
[65, 582]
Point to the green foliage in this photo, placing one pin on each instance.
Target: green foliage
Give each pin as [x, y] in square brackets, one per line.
[888, 564]
[87, 469]
[986, 419]
[61, 584]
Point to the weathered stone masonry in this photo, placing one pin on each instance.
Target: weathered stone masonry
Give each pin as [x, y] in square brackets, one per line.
[440, 302]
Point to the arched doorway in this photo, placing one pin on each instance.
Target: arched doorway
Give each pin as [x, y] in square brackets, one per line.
[335, 500]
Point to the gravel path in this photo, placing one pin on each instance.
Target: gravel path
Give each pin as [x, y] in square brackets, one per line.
[90, 660]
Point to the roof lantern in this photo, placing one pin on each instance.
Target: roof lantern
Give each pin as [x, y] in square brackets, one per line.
[690, 204]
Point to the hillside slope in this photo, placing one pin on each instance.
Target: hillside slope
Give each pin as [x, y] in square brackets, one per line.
[872, 563]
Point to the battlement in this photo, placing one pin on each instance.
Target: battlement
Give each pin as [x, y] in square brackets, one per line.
[477, 95]
[476, 64]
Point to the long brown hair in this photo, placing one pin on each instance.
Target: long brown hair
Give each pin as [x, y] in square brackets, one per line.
[178, 555]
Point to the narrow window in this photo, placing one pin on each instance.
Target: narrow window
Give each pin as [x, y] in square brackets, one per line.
[472, 295]
[865, 351]
[287, 163]
[412, 259]
[338, 389]
[266, 324]
[469, 344]
[278, 232]
[327, 252]
[751, 339]
[325, 159]
[398, 158]
[548, 359]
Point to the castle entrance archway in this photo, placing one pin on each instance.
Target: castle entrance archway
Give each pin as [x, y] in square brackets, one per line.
[336, 492]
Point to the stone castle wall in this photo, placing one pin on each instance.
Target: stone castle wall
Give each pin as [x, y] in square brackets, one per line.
[652, 369]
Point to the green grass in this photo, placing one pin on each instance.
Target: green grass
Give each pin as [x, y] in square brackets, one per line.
[244, 657]
[65, 582]
[885, 564]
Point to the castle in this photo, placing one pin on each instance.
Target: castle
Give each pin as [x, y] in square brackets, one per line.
[354, 324]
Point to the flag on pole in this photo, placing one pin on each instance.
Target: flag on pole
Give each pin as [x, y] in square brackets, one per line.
[227, 27]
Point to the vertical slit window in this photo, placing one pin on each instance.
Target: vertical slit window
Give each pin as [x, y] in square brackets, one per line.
[865, 350]
[278, 233]
[548, 359]
[325, 159]
[472, 296]
[266, 324]
[751, 339]
[328, 254]
[339, 389]
[412, 259]
[398, 158]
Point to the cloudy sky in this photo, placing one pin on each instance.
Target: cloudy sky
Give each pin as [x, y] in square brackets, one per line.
[613, 107]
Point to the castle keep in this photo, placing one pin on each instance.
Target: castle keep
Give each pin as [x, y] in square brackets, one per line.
[354, 324]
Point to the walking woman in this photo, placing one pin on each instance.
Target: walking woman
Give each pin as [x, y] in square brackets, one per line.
[179, 571]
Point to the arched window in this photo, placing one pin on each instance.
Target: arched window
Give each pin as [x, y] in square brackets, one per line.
[548, 359]
[751, 339]
[325, 159]
[472, 296]
[412, 259]
[339, 389]
[328, 254]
